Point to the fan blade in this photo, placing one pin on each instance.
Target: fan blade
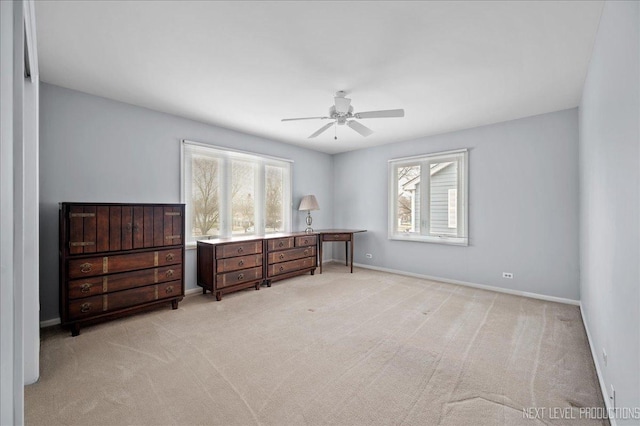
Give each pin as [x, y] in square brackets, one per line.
[380, 114]
[305, 118]
[321, 129]
[342, 105]
[363, 130]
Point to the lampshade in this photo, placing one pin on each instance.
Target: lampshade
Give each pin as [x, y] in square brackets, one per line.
[309, 202]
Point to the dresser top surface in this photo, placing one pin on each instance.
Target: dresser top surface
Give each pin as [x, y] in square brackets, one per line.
[70, 203]
[338, 231]
[243, 238]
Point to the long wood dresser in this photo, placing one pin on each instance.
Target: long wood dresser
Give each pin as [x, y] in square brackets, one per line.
[116, 259]
[231, 264]
[289, 255]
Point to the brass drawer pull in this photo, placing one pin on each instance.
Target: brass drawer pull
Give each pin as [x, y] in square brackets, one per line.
[281, 268]
[169, 273]
[280, 244]
[169, 257]
[85, 307]
[85, 268]
[168, 289]
[172, 213]
[281, 256]
[336, 236]
[306, 241]
[172, 237]
[82, 244]
[240, 250]
[85, 288]
[306, 252]
[82, 215]
[241, 263]
[240, 277]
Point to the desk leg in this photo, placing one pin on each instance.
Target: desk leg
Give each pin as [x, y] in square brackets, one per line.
[346, 253]
[352, 253]
[320, 252]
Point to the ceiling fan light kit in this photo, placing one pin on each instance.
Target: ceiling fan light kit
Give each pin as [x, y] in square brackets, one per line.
[342, 113]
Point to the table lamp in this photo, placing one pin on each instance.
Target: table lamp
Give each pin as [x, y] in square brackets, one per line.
[309, 203]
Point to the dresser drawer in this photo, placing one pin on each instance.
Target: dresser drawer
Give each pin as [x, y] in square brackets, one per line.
[285, 255]
[242, 276]
[242, 262]
[95, 305]
[116, 282]
[309, 240]
[280, 243]
[336, 237]
[238, 249]
[123, 262]
[294, 265]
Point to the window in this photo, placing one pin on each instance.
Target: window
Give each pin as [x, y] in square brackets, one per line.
[428, 198]
[229, 193]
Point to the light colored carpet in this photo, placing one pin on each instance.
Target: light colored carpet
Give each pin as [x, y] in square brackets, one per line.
[367, 348]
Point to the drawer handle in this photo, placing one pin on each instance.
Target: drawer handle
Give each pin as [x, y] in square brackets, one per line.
[85, 307]
[128, 227]
[82, 244]
[85, 288]
[306, 252]
[240, 277]
[169, 273]
[281, 256]
[136, 227]
[306, 241]
[280, 244]
[336, 236]
[241, 263]
[281, 268]
[169, 257]
[168, 289]
[85, 267]
[82, 215]
[240, 250]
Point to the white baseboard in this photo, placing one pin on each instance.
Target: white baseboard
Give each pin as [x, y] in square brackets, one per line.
[49, 322]
[474, 285]
[594, 355]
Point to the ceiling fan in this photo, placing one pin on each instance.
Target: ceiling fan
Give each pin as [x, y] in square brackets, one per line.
[342, 113]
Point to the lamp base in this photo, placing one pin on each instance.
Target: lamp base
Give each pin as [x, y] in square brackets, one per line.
[309, 222]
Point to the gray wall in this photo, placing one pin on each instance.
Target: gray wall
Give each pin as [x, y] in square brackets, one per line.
[609, 201]
[523, 206]
[95, 149]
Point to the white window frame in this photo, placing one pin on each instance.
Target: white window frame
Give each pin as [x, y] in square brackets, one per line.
[226, 155]
[461, 157]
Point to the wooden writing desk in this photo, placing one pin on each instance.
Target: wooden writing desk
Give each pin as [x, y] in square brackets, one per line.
[332, 235]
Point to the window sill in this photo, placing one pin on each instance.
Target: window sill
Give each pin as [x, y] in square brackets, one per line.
[453, 241]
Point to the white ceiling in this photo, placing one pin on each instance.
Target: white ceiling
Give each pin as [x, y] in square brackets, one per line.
[246, 65]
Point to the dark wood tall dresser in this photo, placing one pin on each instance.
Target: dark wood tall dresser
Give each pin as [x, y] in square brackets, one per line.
[116, 259]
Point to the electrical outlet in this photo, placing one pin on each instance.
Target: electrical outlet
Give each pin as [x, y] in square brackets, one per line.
[508, 275]
[604, 357]
[612, 397]
[368, 255]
